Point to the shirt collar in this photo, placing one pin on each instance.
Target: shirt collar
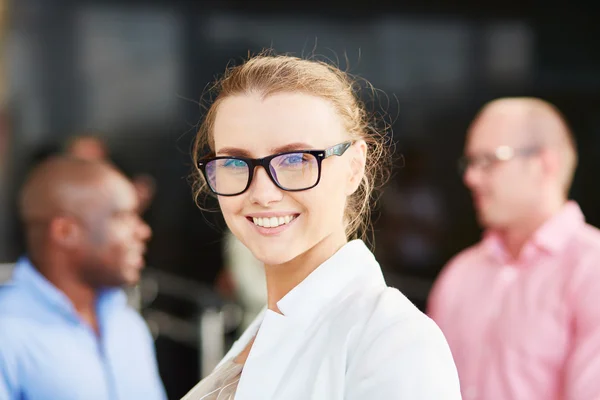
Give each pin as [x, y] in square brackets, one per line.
[26, 275]
[556, 232]
[354, 260]
[551, 237]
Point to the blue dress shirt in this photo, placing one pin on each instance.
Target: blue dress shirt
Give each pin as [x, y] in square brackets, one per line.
[48, 352]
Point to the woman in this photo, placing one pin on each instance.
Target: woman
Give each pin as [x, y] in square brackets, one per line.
[293, 161]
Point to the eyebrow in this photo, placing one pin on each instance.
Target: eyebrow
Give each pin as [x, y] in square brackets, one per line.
[237, 152]
[120, 209]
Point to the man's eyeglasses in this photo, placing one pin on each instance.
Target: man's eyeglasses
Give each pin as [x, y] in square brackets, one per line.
[292, 171]
[485, 161]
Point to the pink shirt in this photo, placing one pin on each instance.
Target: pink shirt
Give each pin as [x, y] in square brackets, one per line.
[527, 329]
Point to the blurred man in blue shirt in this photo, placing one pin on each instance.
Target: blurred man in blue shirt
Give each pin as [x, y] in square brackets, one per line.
[66, 331]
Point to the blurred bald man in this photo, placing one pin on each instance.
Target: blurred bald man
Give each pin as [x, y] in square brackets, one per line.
[93, 148]
[520, 309]
[87, 147]
[66, 331]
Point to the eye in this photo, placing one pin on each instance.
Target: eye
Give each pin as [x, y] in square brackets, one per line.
[293, 159]
[486, 160]
[234, 163]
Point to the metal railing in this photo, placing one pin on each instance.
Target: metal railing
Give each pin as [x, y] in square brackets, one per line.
[205, 331]
[6, 271]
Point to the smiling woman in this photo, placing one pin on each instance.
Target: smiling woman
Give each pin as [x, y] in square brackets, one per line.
[294, 159]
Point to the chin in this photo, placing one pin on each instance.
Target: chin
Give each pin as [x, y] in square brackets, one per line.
[484, 217]
[270, 249]
[485, 222]
[489, 222]
[130, 278]
[482, 220]
[273, 254]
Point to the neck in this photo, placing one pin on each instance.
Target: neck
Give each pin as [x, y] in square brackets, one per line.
[82, 296]
[515, 237]
[284, 277]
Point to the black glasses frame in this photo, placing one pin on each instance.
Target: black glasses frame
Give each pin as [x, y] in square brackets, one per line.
[253, 163]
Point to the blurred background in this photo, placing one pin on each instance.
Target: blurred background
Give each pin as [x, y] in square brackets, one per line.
[133, 72]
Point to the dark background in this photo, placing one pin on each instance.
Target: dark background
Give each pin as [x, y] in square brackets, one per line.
[134, 71]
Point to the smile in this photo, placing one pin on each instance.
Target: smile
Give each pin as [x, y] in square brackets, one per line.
[273, 222]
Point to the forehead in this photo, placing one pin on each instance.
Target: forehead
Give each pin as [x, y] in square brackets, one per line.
[88, 143]
[116, 192]
[502, 126]
[259, 125]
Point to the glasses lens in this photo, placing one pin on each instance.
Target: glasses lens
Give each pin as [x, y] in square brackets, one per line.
[227, 176]
[295, 171]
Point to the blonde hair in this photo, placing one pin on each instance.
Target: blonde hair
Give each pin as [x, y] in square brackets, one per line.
[268, 74]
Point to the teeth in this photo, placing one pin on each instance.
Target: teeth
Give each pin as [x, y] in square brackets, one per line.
[273, 222]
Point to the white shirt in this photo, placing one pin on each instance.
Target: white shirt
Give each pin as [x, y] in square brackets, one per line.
[343, 334]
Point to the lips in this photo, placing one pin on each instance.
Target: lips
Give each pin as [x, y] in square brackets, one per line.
[135, 255]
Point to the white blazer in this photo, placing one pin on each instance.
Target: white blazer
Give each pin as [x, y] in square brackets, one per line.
[345, 335]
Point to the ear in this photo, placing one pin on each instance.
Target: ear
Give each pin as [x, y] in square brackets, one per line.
[551, 163]
[357, 166]
[65, 231]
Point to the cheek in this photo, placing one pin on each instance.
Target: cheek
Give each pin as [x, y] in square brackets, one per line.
[230, 205]
[99, 236]
[516, 189]
[325, 204]
[230, 209]
[336, 176]
[504, 182]
[118, 238]
[121, 232]
[334, 188]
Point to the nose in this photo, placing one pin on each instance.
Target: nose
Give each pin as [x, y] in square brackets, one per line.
[472, 177]
[144, 232]
[262, 189]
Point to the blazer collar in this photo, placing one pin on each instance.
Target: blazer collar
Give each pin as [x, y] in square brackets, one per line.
[352, 261]
[280, 338]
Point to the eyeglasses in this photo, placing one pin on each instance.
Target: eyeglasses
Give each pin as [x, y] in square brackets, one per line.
[485, 161]
[291, 171]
